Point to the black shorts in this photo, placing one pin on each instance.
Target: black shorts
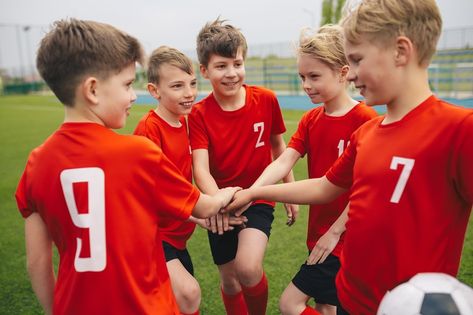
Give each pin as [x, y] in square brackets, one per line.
[318, 281]
[171, 252]
[224, 247]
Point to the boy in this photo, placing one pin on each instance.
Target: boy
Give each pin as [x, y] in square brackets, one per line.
[97, 194]
[172, 82]
[234, 133]
[409, 172]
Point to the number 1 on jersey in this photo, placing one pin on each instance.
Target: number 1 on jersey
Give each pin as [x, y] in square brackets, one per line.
[405, 173]
[94, 220]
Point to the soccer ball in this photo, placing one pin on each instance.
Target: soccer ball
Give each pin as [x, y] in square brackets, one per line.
[428, 294]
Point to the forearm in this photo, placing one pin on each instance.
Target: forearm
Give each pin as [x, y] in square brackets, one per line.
[309, 191]
[281, 168]
[339, 226]
[43, 281]
[208, 206]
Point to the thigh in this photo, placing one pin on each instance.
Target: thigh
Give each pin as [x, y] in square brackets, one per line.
[318, 281]
[260, 217]
[181, 280]
[223, 247]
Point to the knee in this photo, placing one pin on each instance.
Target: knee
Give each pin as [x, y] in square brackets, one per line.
[249, 274]
[285, 306]
[190, 297]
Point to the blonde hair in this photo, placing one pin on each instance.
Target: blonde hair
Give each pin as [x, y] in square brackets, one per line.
[326, 45]
[167, 55]
[384, 20]
[220, 39]
[74, 49]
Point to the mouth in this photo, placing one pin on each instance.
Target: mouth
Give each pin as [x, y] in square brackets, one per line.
[187, 105]
[230, 84]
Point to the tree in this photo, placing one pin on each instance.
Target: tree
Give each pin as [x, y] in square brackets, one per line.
[331, 11]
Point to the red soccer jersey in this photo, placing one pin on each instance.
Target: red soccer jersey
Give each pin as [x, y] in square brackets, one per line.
[175, 145]
[100, 194]
[411, 197]
[238, 141]
[324, 138]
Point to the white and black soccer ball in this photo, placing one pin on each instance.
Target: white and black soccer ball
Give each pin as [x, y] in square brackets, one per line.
[428, 294]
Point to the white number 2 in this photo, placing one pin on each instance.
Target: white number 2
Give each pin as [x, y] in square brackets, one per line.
[405, 173]
[94, 220]
[259, 126]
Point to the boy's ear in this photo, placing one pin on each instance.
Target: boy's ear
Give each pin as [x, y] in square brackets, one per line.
[153, 90]
[204, 71]
[89, 90]
[404, 50]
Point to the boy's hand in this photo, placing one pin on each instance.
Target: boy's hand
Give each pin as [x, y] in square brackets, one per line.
[241, 199]
[292, 212]
[203, 223]
[224, 222]
[226, 195]
[323, 248]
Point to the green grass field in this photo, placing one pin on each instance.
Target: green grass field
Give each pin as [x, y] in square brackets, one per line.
[26, 121]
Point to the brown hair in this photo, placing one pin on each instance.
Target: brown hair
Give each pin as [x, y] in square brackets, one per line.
[74, 49]
[220, 39]
[326, 45]
[384, 20]
[167, 55]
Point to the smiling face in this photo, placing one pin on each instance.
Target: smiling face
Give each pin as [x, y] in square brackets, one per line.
[176, 91]
[320, 82]
[225, 74]
[373, 71]
[114, 96]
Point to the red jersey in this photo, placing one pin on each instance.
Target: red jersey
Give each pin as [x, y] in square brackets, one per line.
[411, 197]
[100, 194]
[175, 145]
[238, 141]
[324, 138]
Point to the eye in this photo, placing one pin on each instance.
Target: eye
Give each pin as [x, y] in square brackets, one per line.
[193, 83]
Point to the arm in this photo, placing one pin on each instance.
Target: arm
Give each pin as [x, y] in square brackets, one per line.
[206, 184]
[329, 240]
[309, 191]
[278, 148]
[39, 261]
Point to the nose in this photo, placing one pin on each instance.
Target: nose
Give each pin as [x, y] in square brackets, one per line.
[231, 71]
[133, 95]
[305, 85]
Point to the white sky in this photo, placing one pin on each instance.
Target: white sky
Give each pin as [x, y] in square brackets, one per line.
[175, 23]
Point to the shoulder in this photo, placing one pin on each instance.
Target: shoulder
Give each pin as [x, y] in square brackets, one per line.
[312, 113]
[364, 110]
[260, 92]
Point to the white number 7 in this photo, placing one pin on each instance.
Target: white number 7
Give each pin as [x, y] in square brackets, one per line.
[405, 173]
[94, 220]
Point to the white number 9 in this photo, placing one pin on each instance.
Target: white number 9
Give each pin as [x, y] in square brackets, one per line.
[94, 220]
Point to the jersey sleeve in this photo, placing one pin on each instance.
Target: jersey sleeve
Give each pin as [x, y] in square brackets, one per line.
[149, 131]
[341, 172]
[197, 132]
[299, 138]
[278, 126]
[462, 162]
[176, 195]
[21, 197]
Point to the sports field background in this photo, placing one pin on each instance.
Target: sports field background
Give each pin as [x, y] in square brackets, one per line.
[26, 121]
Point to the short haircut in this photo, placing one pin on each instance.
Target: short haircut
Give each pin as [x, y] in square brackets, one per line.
[74, 49]
[167, 55]
[326, 45]
[383, 20]
[219, 39]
